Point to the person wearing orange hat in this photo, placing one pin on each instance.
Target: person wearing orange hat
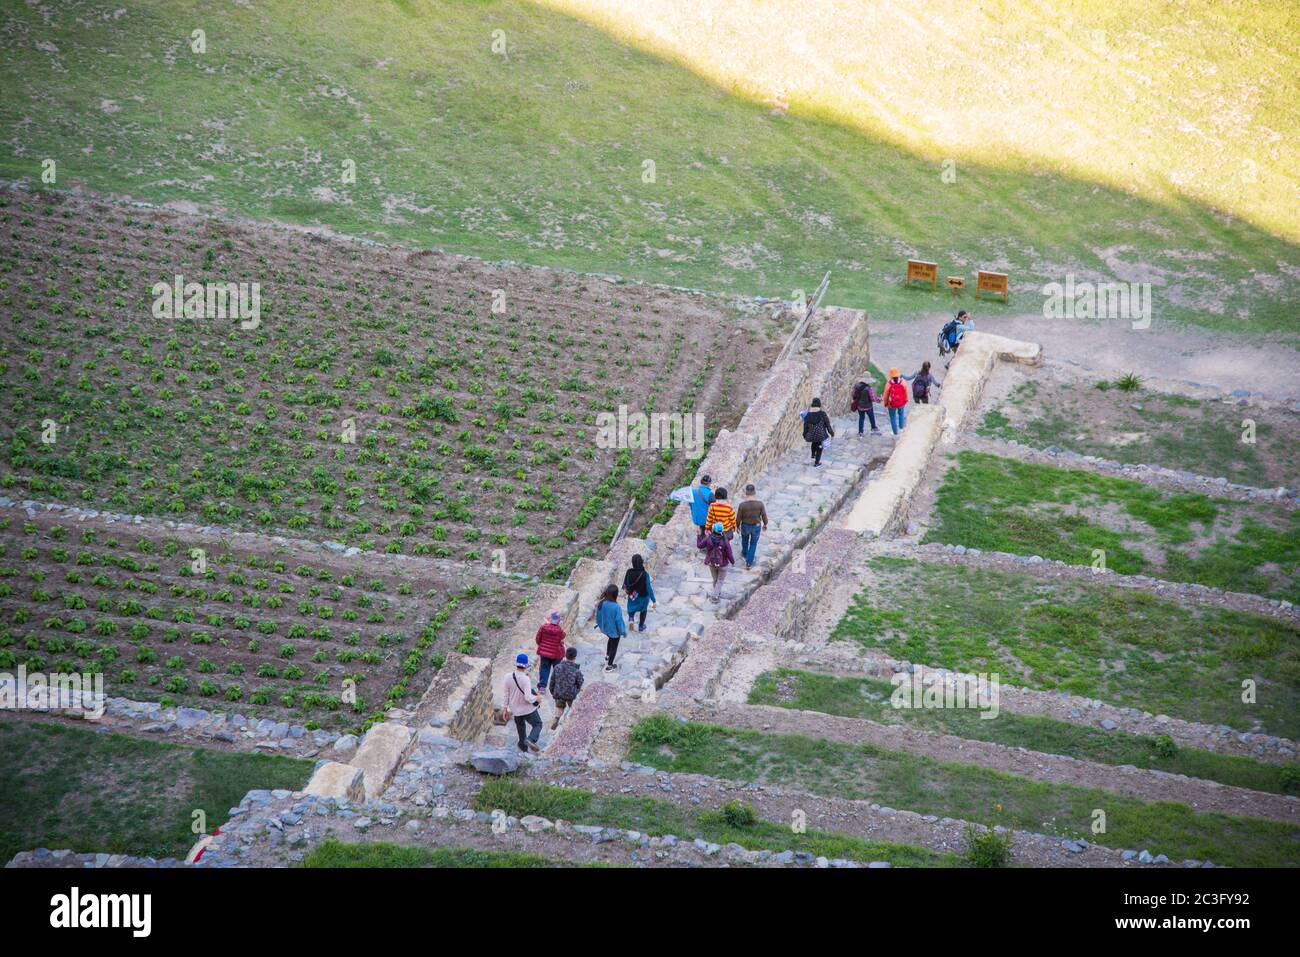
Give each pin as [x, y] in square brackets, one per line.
[896, 401]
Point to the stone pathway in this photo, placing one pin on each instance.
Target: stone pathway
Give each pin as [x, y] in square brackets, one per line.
[798, 497]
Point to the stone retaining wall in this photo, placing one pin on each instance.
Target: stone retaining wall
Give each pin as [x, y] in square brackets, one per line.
[381, 753]
[697, 678]
[839, 354]
[835, 355]
[882, 507]
[582, 722]
[459, 699]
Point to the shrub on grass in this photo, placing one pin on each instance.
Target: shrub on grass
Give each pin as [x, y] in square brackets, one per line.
[986, 848]
[739, 815]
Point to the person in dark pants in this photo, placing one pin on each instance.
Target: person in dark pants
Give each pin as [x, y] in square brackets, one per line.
[609, 619]
[752, 516]
[817, 429]
[522, 703]
[640, 593]
[550, 648]
[864, 399]
[566, 682]
[921, 382]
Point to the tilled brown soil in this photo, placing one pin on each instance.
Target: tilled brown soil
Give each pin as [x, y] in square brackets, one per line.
[268, 623]
[399, 400]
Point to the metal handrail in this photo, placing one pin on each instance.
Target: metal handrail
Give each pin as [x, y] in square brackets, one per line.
[793, 342]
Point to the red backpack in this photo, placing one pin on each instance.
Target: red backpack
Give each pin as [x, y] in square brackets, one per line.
[895, 394]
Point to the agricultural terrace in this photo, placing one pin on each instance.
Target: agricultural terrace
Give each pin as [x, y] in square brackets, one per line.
[261, 630]
[399, 402]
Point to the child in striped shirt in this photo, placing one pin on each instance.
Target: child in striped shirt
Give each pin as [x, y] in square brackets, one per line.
[720, 510]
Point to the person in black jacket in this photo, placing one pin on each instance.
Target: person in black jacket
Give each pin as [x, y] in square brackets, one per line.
[817, 429]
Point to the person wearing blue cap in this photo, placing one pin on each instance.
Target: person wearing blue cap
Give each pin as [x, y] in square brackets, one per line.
[717, 555]
[521, 702]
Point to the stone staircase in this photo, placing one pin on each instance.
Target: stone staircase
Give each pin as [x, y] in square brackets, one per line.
[799, 499]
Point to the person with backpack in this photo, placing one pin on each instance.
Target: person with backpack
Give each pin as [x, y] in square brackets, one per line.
[566, 682]
[640, 594]
[522, 704]
[721, 511]
[896, 401]
[921, 382]
[609, 619]
[952, 333]
[550, 648]
[717, 556]
[817, 429]
[863, 403]
[701, 496]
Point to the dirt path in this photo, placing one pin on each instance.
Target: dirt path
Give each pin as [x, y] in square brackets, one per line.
[1224, 360]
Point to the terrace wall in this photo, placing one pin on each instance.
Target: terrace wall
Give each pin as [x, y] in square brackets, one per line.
[882, 507]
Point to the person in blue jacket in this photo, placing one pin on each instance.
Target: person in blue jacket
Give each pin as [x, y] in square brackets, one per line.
[609, 619]
[701, 496]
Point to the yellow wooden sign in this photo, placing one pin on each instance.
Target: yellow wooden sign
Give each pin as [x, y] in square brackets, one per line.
[956, 284]
[994, 282]
[918, 270]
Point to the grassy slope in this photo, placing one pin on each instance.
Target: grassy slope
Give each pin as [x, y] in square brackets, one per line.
[69, 787]
[1175, 431]
[869, 698]
[969, 792]
[659, 817]
[383, 854]
[1120, 645]
[538, 155]
[1002, 504]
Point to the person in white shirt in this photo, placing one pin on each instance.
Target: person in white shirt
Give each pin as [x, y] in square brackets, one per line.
[521, 702]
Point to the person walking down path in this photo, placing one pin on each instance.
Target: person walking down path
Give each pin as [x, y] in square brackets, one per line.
[896, 401]
[717, 556]
[721, 511]
[609, 619]
[640, 593]
[522, 704]
[863, 403]
[921, 383]
[550, 648]
[817, 429]
[702, 495]
[566, 682]
[752, 516]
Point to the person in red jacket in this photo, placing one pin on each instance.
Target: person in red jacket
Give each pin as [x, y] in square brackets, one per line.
[896, 401]
[550, 648]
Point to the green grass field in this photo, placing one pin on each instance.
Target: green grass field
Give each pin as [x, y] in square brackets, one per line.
[869, 698]
[1141, 427]
[1072, 515]
[1121, 645]
[383, 854]
[541, 153]
[969, 792]
[73, 788]
[659, 817]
